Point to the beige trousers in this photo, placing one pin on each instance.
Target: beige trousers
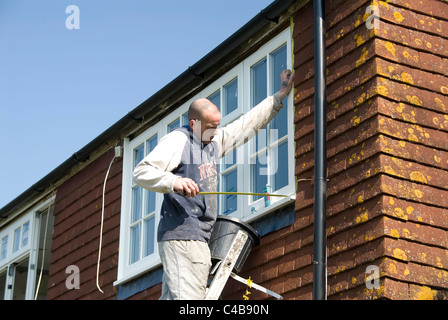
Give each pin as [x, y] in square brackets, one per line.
[186, 267]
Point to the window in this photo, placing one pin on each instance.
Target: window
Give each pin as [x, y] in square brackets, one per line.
[143, 210]
[25, 255]
[269, 170]
[138, 235]
[265, 163]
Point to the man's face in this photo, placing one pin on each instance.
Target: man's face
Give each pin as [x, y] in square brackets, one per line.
[207, 125]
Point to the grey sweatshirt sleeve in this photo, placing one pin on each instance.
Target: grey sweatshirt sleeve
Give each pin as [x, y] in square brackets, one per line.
[154, 171]
[245, 127]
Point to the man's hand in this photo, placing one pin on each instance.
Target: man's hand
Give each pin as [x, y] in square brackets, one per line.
[287, 80]
[186, 187]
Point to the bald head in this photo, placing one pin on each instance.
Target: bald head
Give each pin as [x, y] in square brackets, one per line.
[199, 107]
[204, 118]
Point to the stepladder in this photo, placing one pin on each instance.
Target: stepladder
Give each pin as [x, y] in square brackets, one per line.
[223, 270]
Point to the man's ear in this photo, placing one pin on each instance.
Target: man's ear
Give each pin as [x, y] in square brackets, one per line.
[191, 124]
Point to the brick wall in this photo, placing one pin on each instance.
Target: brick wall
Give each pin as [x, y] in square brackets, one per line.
[387, 150]
[77, 229]
[387, 134]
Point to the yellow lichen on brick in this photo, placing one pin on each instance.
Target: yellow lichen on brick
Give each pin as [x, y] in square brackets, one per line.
[406, 271]
[360, 199]
[389, 170]
[444, 89]
[418, 176]
[406, 77]
[440, 103]
[362, 217]
[362, 58]
[400, 254]
[418, 193]
[398, 16]
[392, 268]
[390, 47]
[382, 90]
[398, 212]
[415, 100]
[394, 233]
[425, 293]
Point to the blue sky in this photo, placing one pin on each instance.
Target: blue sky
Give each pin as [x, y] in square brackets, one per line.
[60, 88]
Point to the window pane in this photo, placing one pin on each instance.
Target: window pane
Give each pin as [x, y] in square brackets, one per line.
[149, 234]
[230, 184]
[280, 166]
[4, 248]
[16, 244]
[135, 244]
[259, 175]
[216, 98]
[20, 280]
[278, 64]
[280, 122]
[173, 125]
[151, 144]
[229, 159]
[136, 210]
[259, 91]
[185, 119]
[150, 202]
[138, 154]
[258, 82]
[25, 234]
[231, 96]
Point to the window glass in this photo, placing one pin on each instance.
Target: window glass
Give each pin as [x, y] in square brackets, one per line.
[135, 243]
[185, 119]
[280, 169]
[149, 236]
[16, 245]
[136, 204]
[173, 125]
[216, 98]
[258, 82]
[138, 155]
[280, 122]
[4, 248]
[151, 143]
[230, 184]
[259, 176]
[230, 96]
[25, 234]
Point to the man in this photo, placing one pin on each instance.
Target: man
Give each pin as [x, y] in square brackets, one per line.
[183, 164]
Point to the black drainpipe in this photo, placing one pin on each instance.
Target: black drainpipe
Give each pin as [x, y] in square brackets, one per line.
[320, 155]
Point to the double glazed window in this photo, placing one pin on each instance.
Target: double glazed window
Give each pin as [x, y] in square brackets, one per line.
[264, 164]
[269, 166]
[25, 255]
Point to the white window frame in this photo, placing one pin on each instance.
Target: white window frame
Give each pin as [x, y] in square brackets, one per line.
[29, 251]
[127, 271]
[246, 212]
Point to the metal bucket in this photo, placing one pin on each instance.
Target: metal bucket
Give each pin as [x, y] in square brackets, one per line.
[222, 236]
